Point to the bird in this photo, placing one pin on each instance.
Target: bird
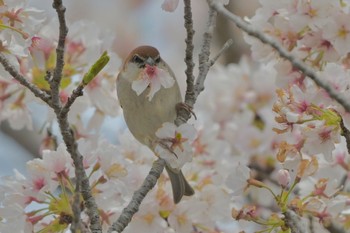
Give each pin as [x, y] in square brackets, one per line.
[146, 110]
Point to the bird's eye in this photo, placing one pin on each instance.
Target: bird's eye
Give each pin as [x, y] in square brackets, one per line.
[157, 60]
[137, 59]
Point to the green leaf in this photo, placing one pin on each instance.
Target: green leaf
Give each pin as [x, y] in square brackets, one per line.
[96, 68]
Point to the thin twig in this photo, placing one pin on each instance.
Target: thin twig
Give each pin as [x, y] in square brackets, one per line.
[78, 91]
[204, 55]
[133, 207]
[57, 73]
[22, 80]
[308, 71]
[182, 114]
[226, 46]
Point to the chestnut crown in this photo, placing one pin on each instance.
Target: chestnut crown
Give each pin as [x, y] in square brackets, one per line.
[143, 55]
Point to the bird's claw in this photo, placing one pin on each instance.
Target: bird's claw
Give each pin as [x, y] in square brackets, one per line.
[163, 143]
[187, 107]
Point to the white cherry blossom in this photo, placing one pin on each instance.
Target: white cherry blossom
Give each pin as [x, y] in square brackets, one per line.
[152, 77]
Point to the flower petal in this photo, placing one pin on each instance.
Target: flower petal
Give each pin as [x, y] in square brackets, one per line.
[187, 131]
[165, 79]
[166, 131]
[155, 86]
[140, 85]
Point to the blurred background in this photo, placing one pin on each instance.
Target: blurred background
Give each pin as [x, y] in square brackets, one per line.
[134, 23]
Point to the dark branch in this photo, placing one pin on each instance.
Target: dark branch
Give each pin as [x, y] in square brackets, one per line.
[57, 73]
[189, 52]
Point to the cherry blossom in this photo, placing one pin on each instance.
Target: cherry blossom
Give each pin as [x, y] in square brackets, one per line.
[238, 178]
[153, 77]
[174, 144]
[283, 177]
[265, 125]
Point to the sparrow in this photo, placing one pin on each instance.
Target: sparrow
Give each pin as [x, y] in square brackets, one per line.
[146, 107]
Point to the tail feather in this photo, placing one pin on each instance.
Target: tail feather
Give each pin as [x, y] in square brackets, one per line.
[179, 184]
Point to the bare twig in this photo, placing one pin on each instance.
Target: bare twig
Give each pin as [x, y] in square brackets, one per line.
[133, 207]
[22, 80]
[57, 74]
[189, 50]
[182, 114]
[308, 71]
[204, 55]
[78, 91]
[88, 77]
[226, 46]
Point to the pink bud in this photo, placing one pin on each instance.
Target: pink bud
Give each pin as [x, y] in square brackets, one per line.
[283, 177]
[170, 5]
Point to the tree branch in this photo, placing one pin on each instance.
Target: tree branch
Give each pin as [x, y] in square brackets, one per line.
[133, 207]
[226, 46]
[57, 74]
[67, 133]
[78, 91]
[23, 81]
[189, 52]
[72, 148]
[282, 52]
[204, 64]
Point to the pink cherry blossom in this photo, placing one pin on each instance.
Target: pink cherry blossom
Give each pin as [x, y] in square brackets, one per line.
[283, 177]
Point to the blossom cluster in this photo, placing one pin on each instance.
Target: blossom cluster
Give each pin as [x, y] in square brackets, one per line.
[115, 172]
[311, 148]
[268, 138]
[84, 43]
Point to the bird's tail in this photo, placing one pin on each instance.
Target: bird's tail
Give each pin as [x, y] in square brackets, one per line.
[179, 184]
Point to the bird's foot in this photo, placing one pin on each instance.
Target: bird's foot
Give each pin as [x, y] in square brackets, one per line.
[186, 107]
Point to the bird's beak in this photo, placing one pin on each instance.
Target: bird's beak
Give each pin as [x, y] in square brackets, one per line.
[150, 61]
